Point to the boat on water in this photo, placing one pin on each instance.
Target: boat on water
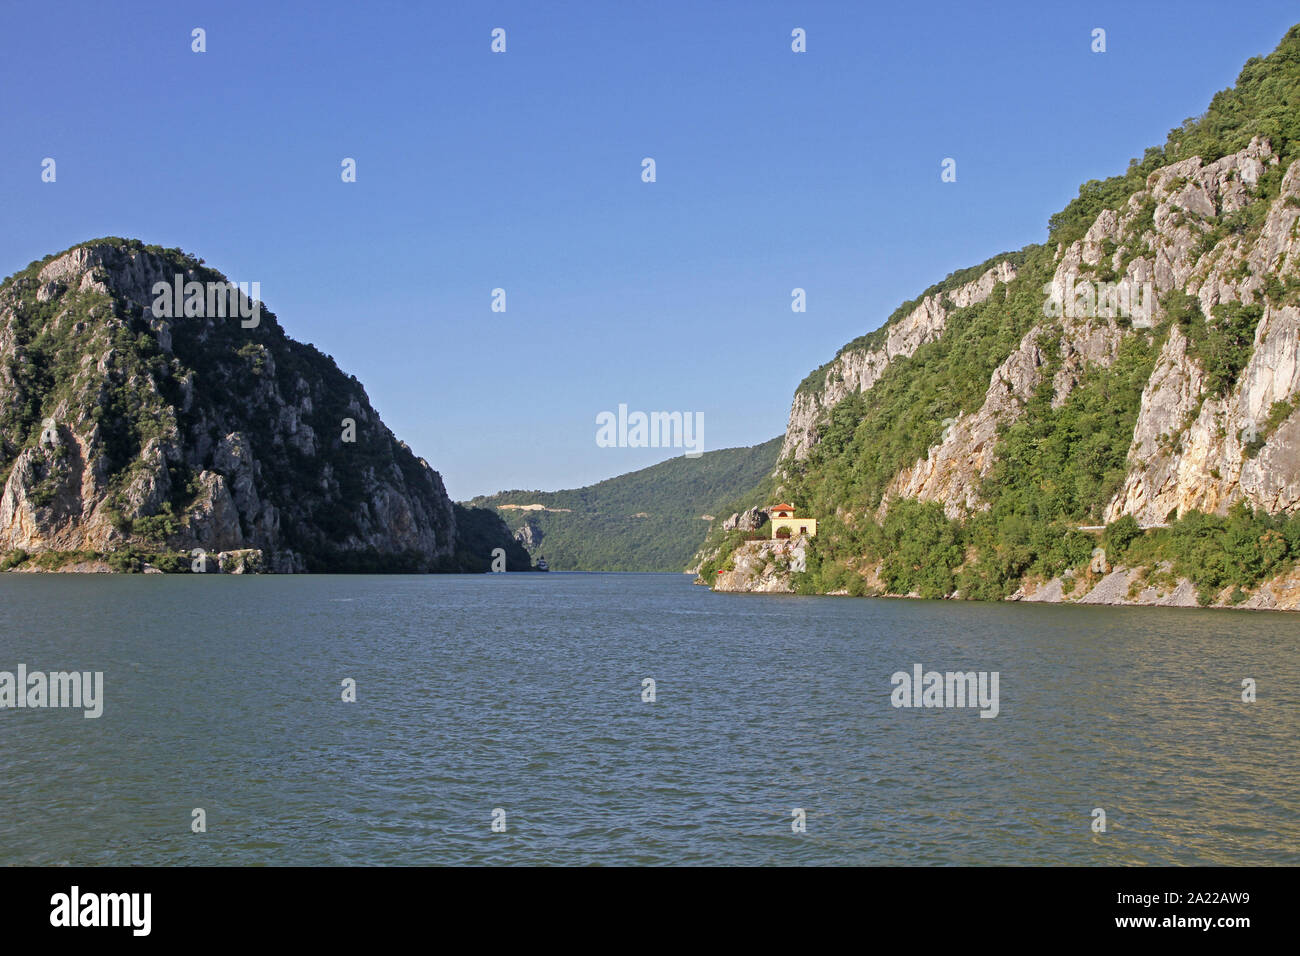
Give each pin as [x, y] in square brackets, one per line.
[542, 565]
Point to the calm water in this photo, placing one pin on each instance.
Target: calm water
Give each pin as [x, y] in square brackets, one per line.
[523, 692]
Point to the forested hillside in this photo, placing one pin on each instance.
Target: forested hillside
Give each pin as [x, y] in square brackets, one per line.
[1139, 371]
[647, 520]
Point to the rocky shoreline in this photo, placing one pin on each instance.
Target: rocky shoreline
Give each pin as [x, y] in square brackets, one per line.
[766, 567]
[242, 561]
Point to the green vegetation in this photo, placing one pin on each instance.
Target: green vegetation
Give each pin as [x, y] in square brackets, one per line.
[647, 520]
[217, 378]
[872, 340]
[1264, 102]
[1223, 343]
[1061, 459]
[924, 553]
[1215, 552]
[1062, 465]
[12, 559]
[919, 549]
[478, 532]
[1056, 468]
[157, 527]
[1278, 413]
[871, 435]
[129, 560]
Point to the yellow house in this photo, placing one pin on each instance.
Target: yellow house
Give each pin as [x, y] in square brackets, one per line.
[782, 516]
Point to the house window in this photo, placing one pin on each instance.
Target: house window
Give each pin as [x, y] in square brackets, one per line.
[803, 530]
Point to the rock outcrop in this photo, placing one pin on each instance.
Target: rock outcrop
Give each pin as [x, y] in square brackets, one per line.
[763, 566]
[750, 520]
[1192, 452]
[1143, 367]
[529, 535]
[1187, 452]
[129, 432]
[857, 369]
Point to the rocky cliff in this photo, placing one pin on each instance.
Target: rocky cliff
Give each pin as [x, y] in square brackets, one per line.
[1188, 449]
[860, 364]
[1131, 387]
[762, 567]
[141, 428]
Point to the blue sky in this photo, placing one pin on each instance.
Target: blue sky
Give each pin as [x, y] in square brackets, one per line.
[522, 171]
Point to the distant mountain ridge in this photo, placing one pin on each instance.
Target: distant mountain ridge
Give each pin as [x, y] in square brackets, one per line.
[653, 519]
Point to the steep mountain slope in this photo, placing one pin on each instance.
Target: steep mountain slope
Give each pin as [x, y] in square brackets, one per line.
[1139, 370]
[858, 365]
[648, 520]
[134, 433]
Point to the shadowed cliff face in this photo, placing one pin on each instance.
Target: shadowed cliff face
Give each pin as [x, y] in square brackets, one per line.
[122, 431]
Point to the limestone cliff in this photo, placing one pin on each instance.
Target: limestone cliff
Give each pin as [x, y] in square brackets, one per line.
[133, 430]
[1188, 450]
[859, 365]
[1139, 372]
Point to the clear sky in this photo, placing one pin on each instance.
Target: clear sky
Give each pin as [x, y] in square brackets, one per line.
[522, 171]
